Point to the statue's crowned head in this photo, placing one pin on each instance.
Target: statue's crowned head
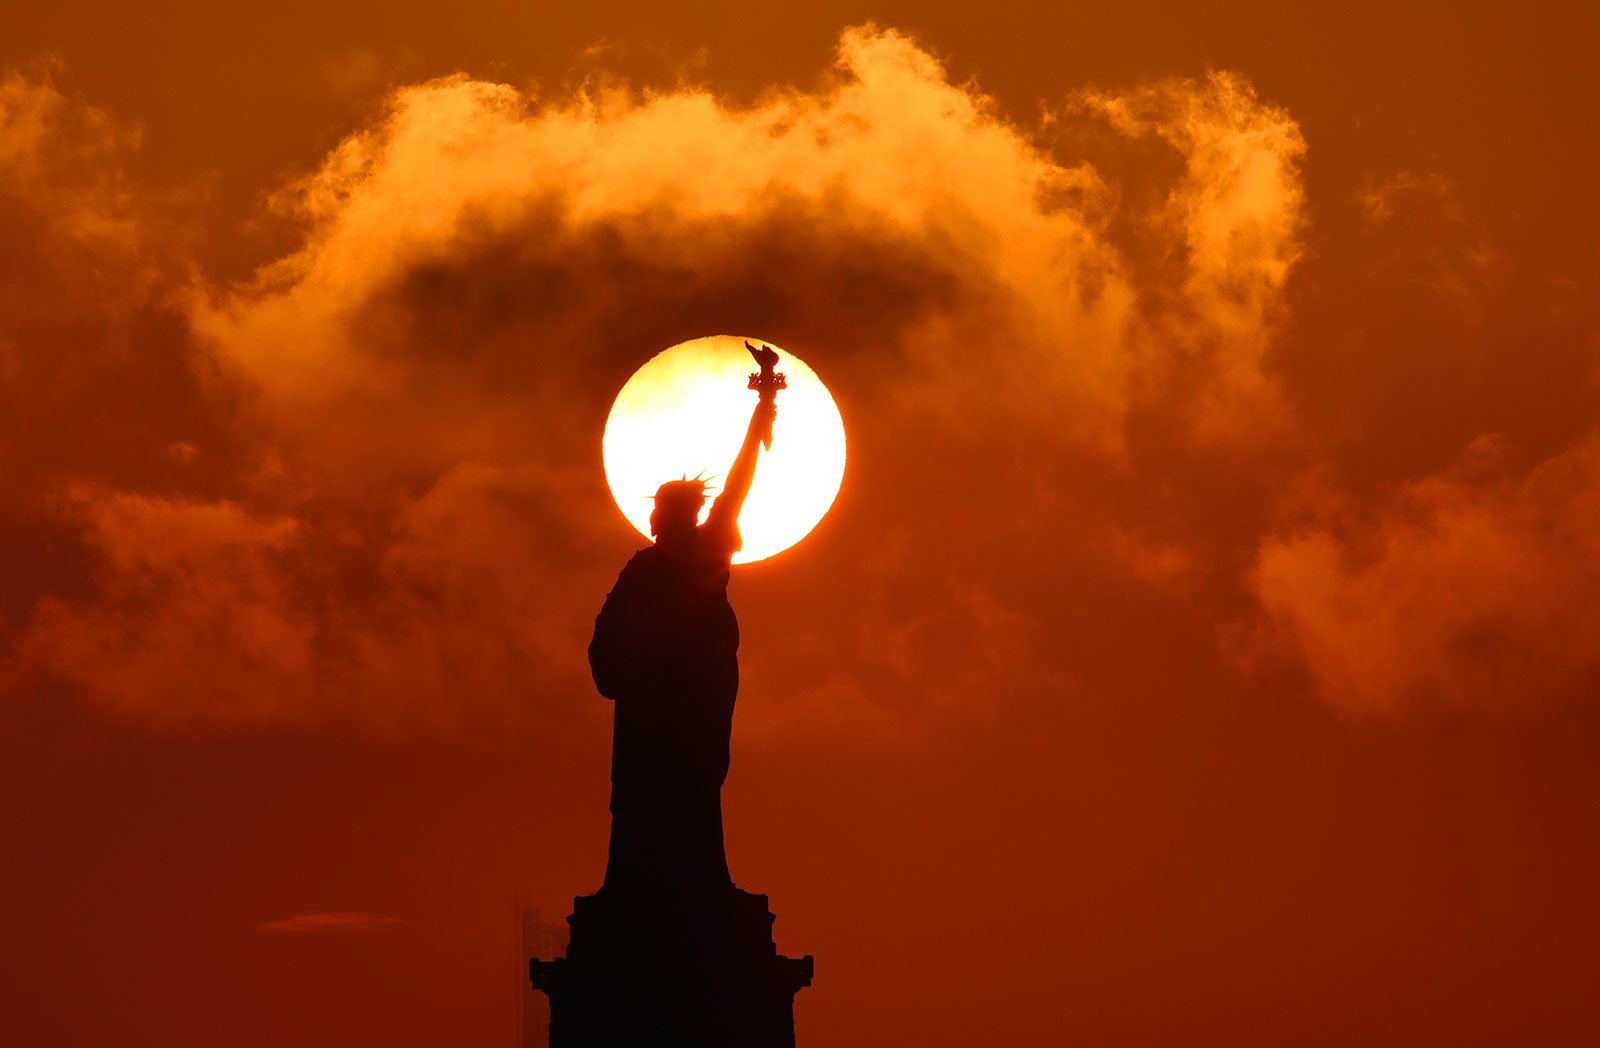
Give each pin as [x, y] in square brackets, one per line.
[678, 505]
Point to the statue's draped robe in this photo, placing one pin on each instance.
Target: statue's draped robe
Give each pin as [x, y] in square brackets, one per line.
[665, 649]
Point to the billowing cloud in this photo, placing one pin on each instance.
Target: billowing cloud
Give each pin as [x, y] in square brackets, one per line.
[892, 161]
[191, 599]
[98, 383]
[1462, 592]
[63, 157]
[364, 485]
[408, 508]
[1237, 211]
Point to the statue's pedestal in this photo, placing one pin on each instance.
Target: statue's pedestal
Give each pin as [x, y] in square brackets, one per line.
[697, 971]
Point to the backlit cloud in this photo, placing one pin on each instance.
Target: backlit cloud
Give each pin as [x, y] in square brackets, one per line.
[1460, 593]
[364, 486]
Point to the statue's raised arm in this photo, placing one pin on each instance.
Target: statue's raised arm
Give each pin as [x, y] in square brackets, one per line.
[766, 382]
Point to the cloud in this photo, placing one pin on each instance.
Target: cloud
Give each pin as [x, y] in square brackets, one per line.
[890, 157]
[389, 486]
[97, 377]
[340, 921]
[363, 487]
[1447, 251]
[193, 601]
[62, 156]
[1464, 591]
[1237, 211]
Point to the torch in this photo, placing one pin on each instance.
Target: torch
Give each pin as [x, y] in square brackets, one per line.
[766, 382]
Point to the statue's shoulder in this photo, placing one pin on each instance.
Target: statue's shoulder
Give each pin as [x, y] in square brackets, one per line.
[719, 538]
[643, 566]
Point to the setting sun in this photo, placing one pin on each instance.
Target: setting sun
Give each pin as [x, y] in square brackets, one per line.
[684, 413]
[1206, 650]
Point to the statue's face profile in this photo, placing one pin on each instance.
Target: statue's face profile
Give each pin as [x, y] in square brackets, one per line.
[677, 509]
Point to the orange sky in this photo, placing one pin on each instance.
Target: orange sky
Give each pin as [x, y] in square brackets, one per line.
[1202, 649]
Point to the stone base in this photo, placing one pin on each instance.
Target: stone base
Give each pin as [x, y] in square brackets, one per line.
[700, 972]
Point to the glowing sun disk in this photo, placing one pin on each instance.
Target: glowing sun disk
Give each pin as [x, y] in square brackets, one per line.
[685, 413]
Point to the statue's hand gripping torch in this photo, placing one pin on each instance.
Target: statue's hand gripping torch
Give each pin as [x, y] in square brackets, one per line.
[766, 382]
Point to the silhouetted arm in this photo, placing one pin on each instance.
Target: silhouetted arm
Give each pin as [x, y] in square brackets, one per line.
[725, 510]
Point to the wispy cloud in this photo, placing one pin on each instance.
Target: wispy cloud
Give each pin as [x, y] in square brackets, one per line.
[340, 921]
